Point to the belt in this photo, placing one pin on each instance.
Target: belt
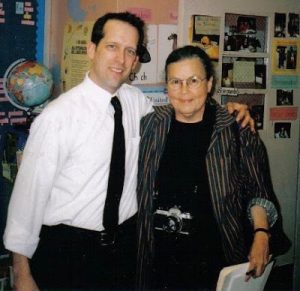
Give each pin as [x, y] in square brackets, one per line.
[103, 238]
[109, 238]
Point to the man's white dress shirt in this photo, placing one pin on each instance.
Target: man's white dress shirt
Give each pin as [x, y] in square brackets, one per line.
[64, 171]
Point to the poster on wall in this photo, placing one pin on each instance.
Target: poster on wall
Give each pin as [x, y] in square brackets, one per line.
[205, 32]
[280, 25]
[284, 113]
[285, 63]
[75, 62]
[286, 25]
[282, 130]
[293, 25]
[161, 40]
[146, 73]
[167, 42]
[284, 97]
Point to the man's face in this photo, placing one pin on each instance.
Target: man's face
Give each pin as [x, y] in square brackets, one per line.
[188, 101]
[114, 57]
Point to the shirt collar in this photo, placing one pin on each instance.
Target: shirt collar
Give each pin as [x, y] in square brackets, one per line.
[96, 92]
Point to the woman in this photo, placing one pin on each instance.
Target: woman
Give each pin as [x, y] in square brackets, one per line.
[200, 178]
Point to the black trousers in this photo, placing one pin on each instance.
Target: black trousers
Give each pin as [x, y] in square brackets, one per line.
[185, 262]
[73, 258]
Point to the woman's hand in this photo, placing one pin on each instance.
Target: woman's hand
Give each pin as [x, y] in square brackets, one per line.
[259, 255]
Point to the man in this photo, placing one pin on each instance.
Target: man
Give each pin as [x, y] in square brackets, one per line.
[55, 215]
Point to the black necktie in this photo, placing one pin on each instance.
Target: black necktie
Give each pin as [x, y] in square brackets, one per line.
[117, 171]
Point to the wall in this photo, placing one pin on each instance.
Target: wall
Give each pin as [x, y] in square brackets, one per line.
[21, 37]
[283, 153]
[60, 12]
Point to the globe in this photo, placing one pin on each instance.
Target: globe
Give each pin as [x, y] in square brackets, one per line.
[27, 84]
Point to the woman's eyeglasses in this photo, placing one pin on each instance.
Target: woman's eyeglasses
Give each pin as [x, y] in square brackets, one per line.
[192, 82]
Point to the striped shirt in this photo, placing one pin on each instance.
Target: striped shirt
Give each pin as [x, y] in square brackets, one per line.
[236, 167]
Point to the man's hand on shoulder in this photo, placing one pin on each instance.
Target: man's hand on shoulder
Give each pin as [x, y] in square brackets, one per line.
[243, 116]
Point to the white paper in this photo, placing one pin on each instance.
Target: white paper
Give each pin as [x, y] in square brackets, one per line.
[232, 278]
[167, 42]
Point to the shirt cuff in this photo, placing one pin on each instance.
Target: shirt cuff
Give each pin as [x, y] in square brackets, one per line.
[18, 240]
[270, 208]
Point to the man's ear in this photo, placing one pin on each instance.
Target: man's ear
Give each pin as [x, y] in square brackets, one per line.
[90, 49]
[135, 62]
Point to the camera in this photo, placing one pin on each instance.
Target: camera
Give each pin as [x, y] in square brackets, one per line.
[172, 220]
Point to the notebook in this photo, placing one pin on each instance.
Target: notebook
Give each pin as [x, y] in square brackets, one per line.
[232, 278]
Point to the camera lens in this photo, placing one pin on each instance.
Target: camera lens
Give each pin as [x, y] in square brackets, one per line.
[173, 224]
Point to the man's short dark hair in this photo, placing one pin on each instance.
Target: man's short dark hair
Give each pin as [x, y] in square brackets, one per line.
[135, 21]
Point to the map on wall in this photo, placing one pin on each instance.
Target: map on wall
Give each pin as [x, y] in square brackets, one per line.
[75, 10]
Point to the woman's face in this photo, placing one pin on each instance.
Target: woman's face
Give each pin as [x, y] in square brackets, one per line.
[189, 97]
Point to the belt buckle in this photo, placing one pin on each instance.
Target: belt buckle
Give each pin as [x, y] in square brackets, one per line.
[107, 238]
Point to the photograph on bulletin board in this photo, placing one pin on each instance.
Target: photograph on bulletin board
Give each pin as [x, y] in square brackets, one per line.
[293, 25]
[280, 25]
[285, 63]
[205, 33]
[285, 56]
[282, 130]
[284, 97]
[246, 33]
[286, 25]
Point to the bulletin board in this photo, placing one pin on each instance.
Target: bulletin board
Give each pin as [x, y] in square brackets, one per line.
[21, 37]
[281, 101]
[68, 16]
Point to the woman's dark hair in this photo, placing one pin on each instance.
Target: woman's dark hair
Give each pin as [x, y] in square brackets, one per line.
[189, 52]
[98, 33]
